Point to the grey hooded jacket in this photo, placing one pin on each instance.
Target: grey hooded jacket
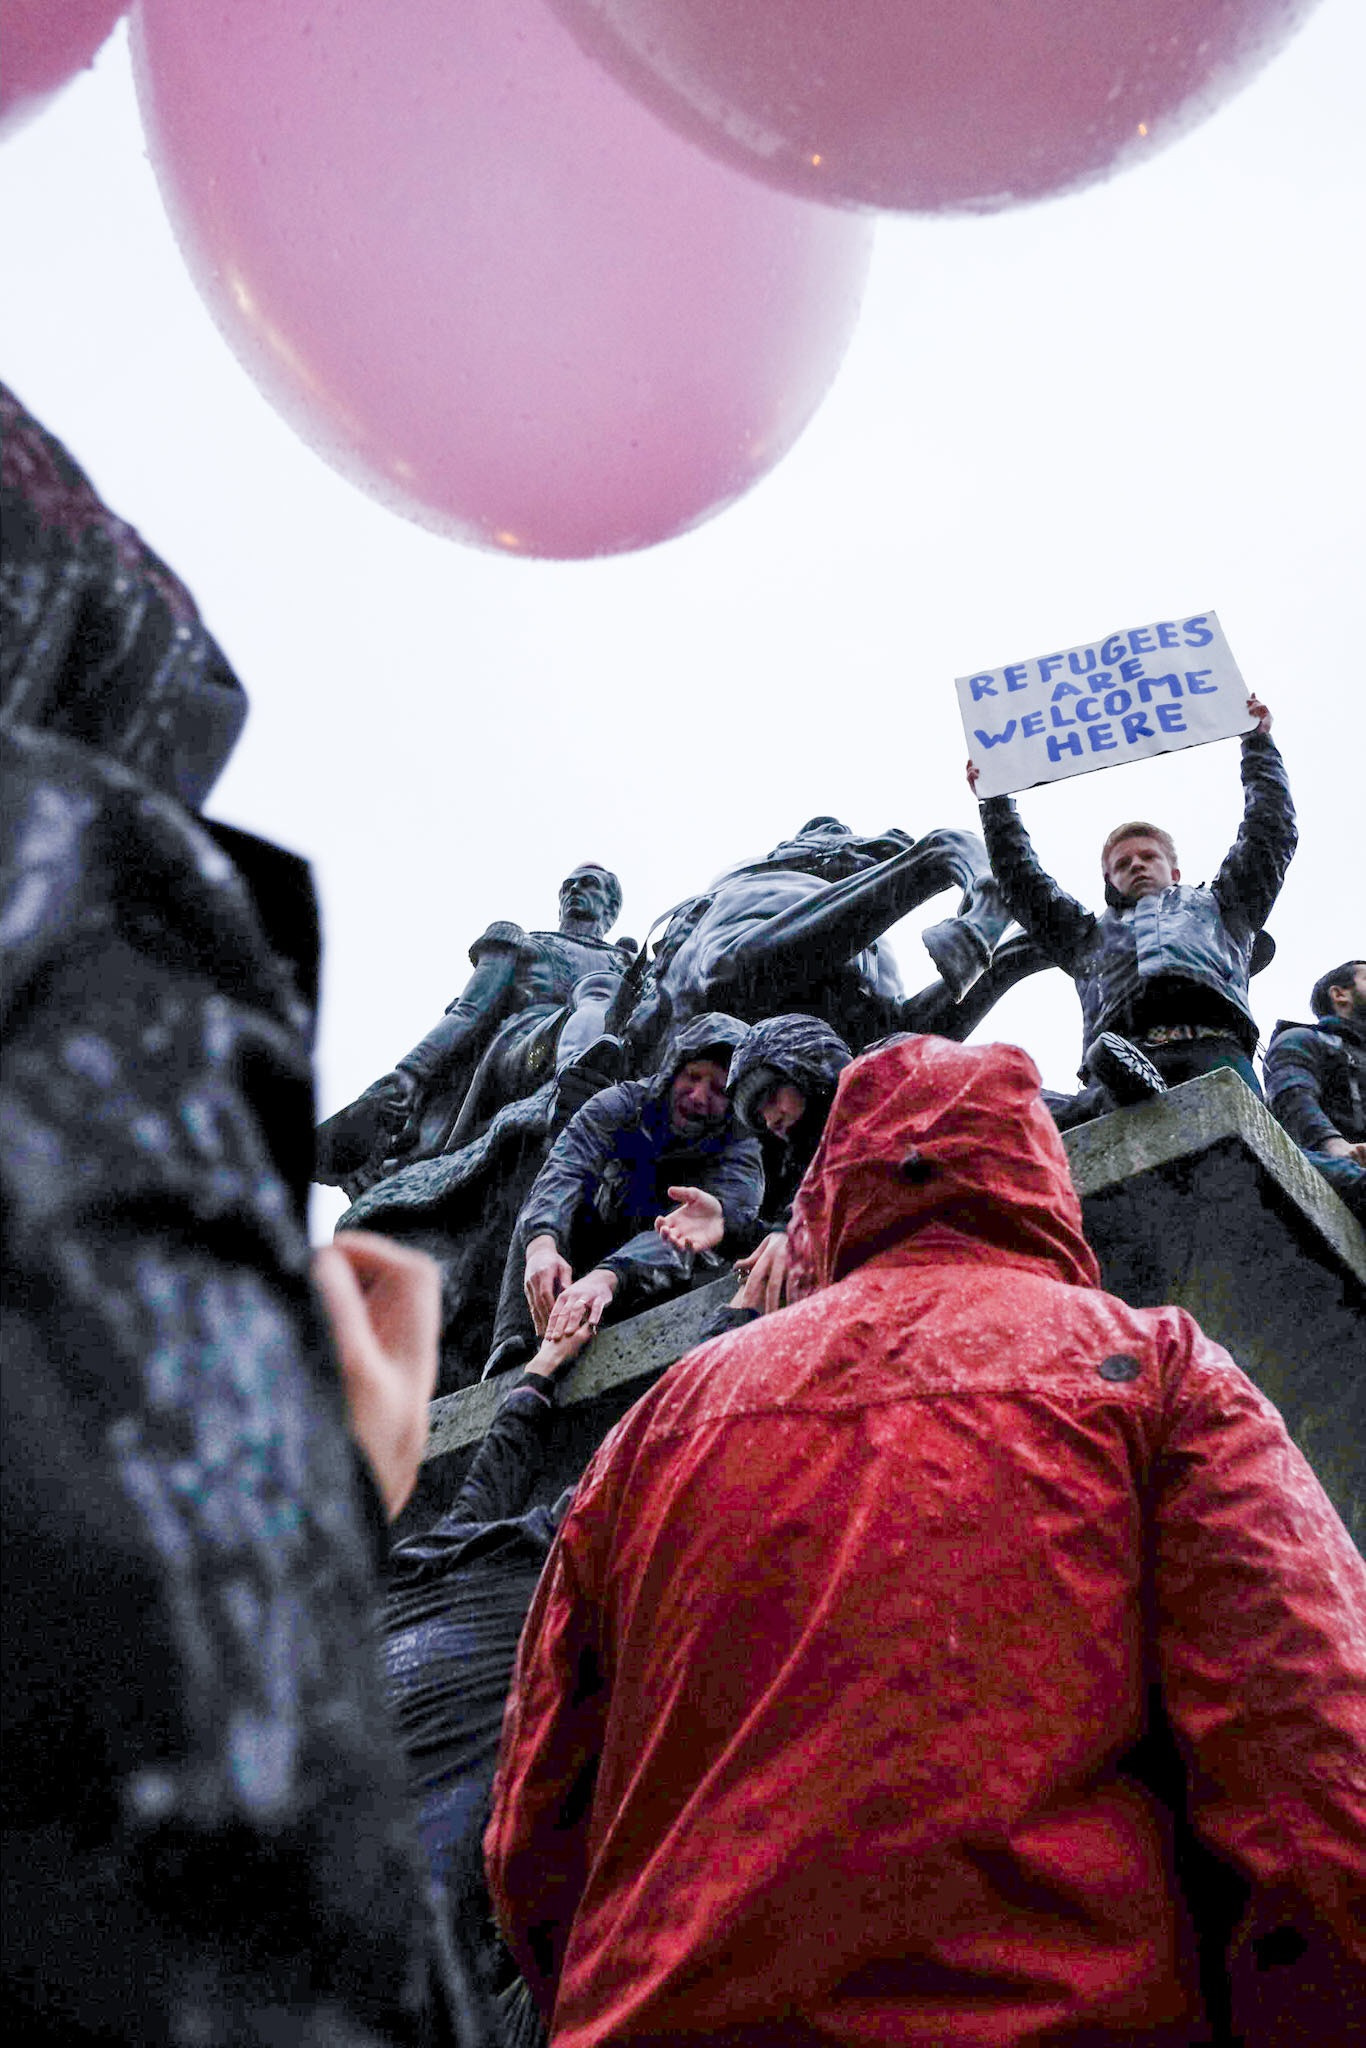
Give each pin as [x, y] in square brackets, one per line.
[1184, 956]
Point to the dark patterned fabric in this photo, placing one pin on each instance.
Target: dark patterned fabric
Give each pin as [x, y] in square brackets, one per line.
[457, 1598]
[207, 1835]
[98, 639]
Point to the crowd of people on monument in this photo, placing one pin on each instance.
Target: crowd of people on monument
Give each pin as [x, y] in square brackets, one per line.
[944, 1650]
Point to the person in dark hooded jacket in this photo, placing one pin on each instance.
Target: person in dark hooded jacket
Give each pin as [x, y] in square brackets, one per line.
[826, 1711]
[781, 1084]
[1316, 1081]
[207, 1837]
[611, 1173]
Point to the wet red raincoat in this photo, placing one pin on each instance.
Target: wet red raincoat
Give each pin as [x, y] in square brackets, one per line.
[823, 1700]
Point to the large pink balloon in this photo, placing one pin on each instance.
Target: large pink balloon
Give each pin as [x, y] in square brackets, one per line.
[43, 43]
[933, 105]
[477, 276]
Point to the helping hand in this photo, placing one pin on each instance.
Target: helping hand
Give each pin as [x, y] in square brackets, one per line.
[765, 1272]
[544, 1279]
[582, 1305]
[698, 1224]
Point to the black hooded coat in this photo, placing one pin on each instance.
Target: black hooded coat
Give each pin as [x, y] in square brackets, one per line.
[808, 1053]
[207, 1837]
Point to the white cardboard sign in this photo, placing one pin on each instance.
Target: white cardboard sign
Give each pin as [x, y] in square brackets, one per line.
[1147, 690]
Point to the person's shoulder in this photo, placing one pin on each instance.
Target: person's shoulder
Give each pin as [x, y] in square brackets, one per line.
[1292, 1037]
[623, 1102]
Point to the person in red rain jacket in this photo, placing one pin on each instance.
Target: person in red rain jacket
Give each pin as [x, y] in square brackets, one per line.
[825, 1706]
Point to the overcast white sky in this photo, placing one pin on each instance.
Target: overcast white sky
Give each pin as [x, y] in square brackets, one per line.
[1134, 404]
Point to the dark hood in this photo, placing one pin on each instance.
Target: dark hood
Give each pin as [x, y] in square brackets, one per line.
[713, 1031]
[802, 1050]
[99, 641]
[925, 1132]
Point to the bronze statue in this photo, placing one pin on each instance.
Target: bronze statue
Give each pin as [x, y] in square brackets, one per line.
[535, 1000]
[536, 1032]
[801, 930]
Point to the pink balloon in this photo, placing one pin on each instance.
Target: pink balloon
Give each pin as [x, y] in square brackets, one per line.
[933, 105]
[43, 43]
[478, 277]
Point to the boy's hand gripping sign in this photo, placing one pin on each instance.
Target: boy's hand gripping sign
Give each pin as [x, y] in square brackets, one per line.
[1147, 690]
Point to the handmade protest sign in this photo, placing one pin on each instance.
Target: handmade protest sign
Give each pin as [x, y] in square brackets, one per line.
[1148, 690]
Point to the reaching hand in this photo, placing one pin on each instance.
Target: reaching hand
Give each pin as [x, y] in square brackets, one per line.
[696, 1225]
[556, 1355]
[545, 1278]
[582, 1305]
[973, 773]
[1256, 709]
[384, 1305]
[765, 1273]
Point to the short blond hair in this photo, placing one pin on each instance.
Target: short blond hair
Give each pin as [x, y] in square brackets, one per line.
[1137, 828]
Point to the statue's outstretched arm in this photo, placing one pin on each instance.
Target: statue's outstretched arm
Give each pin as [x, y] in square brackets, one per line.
[817, 937]
[934, 1010]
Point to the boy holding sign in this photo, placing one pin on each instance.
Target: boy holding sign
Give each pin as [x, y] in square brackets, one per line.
[1163, 972]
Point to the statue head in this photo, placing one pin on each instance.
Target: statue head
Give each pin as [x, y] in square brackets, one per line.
[590, 901]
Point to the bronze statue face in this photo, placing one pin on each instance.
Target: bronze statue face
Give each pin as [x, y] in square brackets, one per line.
[590, 898]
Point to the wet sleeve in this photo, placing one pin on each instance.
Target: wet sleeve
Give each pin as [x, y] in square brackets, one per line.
[1294, 1087]
[536, 1847]
[648, 1268]
[727, 1319]
[566, 1182]
[737, 1181]
[1059, 924]
[1249, 881]
[509, 1461]
[1261, 1635]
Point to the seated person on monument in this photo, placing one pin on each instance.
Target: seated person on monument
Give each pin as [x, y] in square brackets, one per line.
[1316, 1081]
[1163, 973]
[415, 1111]
[782, 1082]
[593, 1206]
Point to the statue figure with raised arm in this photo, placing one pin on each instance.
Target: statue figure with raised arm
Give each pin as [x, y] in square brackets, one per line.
[802, 930]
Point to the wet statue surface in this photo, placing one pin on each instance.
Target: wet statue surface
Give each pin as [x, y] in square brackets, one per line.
[442, 1151]
[535, 999]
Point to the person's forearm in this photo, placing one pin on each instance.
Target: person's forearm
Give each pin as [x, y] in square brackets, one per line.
[1056, 920]
[645, 1265]
[510, 1460]
[1269, 835]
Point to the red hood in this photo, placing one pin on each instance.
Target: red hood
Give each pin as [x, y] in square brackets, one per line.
[940, 1142]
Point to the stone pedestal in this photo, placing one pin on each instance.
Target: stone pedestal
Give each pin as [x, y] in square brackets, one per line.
[1198, 1199]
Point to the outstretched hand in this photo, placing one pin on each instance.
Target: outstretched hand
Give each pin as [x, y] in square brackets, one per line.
[546, 1275]
[765, 1275]
[582, 1306]
[973, 773]
[698, 1224]
[384, 1305]
[557, 1354]
[1256, 709]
